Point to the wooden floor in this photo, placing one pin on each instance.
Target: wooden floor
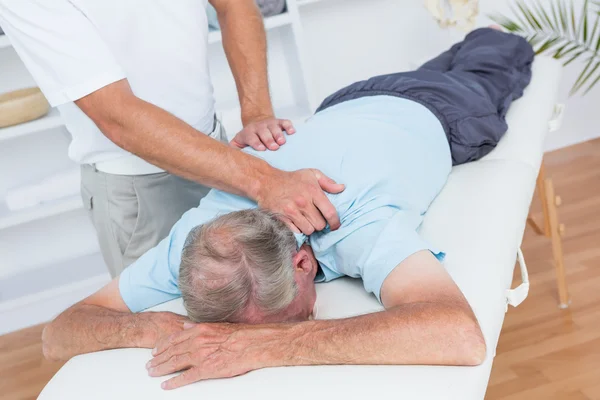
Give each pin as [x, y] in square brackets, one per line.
[544, 353]
[547, 353]
[23, 370]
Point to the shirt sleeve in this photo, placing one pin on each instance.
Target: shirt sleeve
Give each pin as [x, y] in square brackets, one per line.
[61, 48]
[383, 244]
[152, 279]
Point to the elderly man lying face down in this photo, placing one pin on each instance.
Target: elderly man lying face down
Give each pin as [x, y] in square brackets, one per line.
[248, 281]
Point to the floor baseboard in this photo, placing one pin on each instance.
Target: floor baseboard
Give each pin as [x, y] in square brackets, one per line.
[36, 308]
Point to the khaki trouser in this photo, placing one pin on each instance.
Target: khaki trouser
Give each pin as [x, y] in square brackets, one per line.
[133, 213]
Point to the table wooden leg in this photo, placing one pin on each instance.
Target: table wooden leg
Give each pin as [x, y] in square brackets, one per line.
[556, 230]
[541, 189]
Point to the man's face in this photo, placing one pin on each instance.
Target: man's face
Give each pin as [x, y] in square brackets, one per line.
[301, 308]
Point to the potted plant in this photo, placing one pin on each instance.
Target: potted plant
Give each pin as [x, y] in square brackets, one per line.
[553, 27]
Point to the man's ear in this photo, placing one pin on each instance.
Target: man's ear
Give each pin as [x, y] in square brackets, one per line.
[302, 261]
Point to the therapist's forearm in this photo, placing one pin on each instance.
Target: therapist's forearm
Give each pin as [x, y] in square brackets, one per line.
[244, 41]
[88, 328]
[169, 143]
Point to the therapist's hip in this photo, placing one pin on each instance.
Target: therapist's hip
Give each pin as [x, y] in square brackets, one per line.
[133, 213]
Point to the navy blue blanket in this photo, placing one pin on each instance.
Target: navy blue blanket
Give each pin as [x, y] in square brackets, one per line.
[469, 88]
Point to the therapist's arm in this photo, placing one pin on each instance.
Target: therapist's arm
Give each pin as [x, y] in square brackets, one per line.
[245, 44]
[166, 141]
[103, 322]
[427, 321]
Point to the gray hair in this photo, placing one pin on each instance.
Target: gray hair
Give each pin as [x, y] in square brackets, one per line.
[239, 260]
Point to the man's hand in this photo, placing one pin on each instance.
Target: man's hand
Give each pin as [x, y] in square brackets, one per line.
[298, 196]
[211, 351]
[262, 134]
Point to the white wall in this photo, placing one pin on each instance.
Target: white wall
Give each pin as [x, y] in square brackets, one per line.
[350, 40]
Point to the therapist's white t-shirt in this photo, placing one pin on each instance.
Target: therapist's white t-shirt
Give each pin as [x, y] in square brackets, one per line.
[75, 47]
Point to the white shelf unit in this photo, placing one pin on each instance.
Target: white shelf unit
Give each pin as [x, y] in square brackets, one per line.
[4, 42]
[290, 81]
[27, 298]
[10, 219]
[51, 121]
[305, 2]
[270, 23]
[56, 285]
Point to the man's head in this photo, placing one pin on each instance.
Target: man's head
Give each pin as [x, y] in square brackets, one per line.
[246, 267]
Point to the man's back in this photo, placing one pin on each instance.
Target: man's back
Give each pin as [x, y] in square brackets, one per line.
[392, 155]
[380, 147]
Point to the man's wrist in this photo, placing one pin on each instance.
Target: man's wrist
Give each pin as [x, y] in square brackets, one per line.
[284, 345]
[250, 117]
[258, 179]
[144, 331]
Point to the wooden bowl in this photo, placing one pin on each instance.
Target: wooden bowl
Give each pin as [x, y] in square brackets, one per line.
[22, 106]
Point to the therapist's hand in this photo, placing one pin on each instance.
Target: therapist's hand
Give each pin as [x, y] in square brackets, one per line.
[263, 133]
[300, 199]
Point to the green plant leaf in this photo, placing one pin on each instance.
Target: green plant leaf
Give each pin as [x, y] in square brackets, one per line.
[562, 11]
[573, 24]
[594, 29]
[558, 53]
[553, 27]
[574, 46]
[582, 74]
[525, 15]
[517, 15]
[584, 77]
[534, 39]
[532, 16]
[522, 16]
[547, 45]
[575, 56]
[509, 25]
[544, 15]
[592, 84]
[556, 17]
[583, 24]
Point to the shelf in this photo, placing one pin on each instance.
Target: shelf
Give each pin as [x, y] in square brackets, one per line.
[10, 219]
[51, 276]
[4, 42]
[38, 295]
[50, 121]
[304, 2]
[213, 36]
[270, 23]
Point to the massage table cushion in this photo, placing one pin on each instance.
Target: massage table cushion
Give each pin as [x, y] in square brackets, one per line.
[478, 220]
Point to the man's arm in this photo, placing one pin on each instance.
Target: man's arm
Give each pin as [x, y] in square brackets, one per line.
[166, 141]
[427, 321]
[102, 322]
[245, 45]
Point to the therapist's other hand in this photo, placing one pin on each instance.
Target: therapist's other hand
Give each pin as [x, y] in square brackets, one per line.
[263, 134]
[210, 351]
[300, 199]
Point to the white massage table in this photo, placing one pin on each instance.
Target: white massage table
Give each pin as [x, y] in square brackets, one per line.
[478, 219]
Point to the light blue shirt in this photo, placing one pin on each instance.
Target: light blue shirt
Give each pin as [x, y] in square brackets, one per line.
[393, 156]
